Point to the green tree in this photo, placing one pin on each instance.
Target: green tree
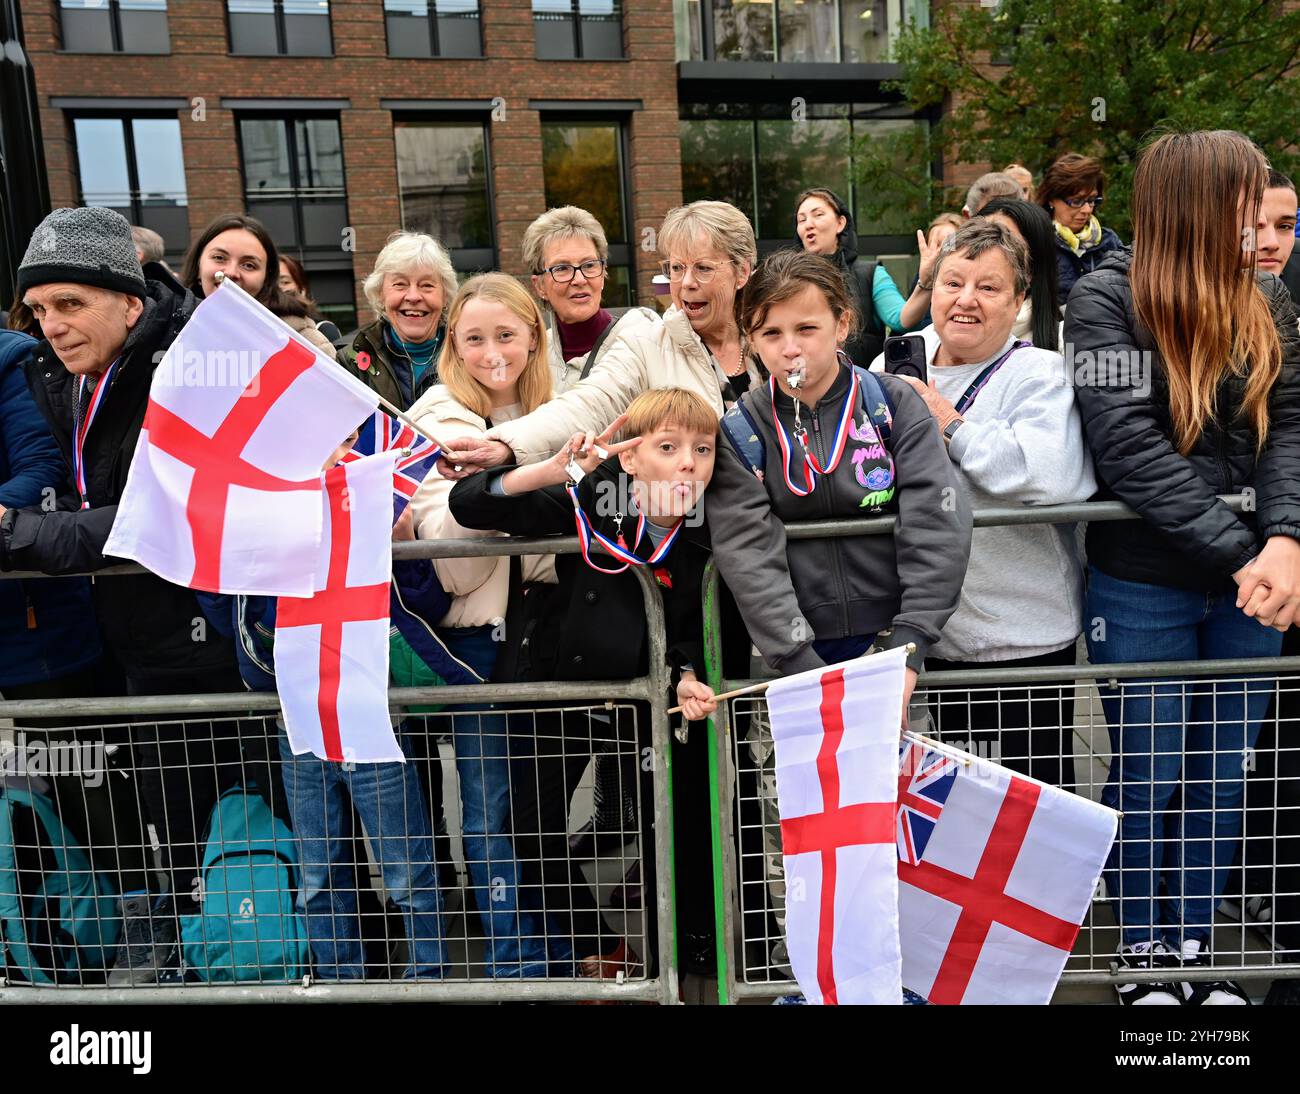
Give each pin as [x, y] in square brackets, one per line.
[1031, 79]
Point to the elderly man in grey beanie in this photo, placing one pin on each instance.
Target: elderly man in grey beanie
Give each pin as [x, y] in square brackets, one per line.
[106, 327]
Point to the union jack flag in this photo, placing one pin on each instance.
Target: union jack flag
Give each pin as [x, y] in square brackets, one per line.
[925, 777]
[379, 433]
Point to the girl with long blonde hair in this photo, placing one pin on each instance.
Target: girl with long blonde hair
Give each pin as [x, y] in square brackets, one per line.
[493, 369]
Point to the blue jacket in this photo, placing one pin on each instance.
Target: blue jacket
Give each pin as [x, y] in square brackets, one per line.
[47, 626]
[417, 655]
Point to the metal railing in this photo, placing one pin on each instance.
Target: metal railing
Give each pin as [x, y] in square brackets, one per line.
[595, 697]
[746, 962]
[745, 822]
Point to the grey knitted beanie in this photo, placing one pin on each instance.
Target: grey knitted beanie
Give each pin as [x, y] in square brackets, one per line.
[85, 246]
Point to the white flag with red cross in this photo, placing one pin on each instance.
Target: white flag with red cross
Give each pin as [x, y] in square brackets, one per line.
[995, 875]
[224, 488]
[836, 737]
[331, 649]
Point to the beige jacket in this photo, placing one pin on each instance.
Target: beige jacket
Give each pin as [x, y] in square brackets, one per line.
[641, 354]
[479, 587]
[308, 329]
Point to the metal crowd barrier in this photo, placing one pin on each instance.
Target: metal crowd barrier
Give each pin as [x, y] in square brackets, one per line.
[1256, 934]
[559, 726]
[599, 719]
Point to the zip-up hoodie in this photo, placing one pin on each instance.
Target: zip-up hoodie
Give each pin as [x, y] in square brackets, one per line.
[792, 592]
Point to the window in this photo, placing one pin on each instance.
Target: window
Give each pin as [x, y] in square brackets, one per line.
[792, 31]
[807, 31]
[583, 165]
[442, 175]
[433, 28]
[578, 28]
[757, 158]
[114, 26]
[743, 30]
[293, 183]
[135, 166]
[295, 28]
[868, 27]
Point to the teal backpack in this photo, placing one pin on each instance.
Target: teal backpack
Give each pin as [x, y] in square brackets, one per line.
[249, 928]
[60, 918]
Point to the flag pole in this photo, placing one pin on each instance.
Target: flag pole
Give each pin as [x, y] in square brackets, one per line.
[220, 278]
[754, 689]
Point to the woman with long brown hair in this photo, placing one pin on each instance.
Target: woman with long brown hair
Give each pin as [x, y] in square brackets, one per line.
[1185, 371]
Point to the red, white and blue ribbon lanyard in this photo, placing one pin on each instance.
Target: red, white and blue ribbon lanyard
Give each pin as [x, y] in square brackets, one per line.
[586, 533]
[811, 468]
[81, 427]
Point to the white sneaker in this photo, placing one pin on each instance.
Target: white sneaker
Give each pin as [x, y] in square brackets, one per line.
[1208, 993]
[1148, 955]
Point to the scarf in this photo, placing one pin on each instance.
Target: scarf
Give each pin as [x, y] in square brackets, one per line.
[1089, 237]
[420, 354]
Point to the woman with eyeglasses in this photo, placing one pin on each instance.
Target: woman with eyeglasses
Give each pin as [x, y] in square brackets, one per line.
[709, 252]
[1071, 191]
[567, 252]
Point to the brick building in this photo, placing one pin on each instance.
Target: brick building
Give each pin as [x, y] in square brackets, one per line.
[338, 121]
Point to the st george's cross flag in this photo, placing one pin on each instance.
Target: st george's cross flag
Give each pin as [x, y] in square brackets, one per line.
[331, 649]
[223, 493]
[835, 732]
[995, 875]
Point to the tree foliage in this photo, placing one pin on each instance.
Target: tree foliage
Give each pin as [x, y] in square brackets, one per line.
[1031, 79]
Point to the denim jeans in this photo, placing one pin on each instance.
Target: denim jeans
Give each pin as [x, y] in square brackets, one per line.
[1174, 744]
[390, 801]
[516, 940]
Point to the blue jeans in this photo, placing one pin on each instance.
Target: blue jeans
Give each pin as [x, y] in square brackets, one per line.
[390, 801]
[516, 940]
[1174, 739]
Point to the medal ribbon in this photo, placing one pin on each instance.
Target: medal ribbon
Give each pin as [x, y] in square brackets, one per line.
[81, 428]
[811, 468]
[586, 533]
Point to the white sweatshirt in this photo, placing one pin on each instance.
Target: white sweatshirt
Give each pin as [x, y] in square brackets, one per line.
[1021, 444]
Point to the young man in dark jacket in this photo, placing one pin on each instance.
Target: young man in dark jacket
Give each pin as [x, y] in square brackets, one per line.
[106, 329]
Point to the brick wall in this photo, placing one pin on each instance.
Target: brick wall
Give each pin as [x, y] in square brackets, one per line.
[199, 67]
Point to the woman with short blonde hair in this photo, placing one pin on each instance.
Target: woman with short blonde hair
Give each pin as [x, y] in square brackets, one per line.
[709, 251]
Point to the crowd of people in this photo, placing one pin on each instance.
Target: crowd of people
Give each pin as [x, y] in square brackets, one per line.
[760, 397]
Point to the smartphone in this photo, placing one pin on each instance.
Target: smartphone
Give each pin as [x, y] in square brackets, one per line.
[905, 356]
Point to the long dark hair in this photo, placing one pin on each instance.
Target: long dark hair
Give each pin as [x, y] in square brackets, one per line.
[1035, 224]
[270, 294]
[786, 273]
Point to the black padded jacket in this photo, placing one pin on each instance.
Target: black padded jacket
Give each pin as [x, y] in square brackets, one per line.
[1187, 537]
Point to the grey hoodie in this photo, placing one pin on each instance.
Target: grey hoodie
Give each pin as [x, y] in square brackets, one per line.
[791, 592]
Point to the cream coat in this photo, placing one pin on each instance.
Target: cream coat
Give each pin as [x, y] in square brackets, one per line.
[479, 587]
[640, 355]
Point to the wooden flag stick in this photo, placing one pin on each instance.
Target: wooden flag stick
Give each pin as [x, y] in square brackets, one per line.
[754, 689]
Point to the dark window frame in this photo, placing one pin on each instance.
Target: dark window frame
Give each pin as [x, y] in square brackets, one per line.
[575, 23]
[115, 32]
[281, 35]
[621, 254]
[434, 43]
[291, 146]
[460, 118]
[128, 145]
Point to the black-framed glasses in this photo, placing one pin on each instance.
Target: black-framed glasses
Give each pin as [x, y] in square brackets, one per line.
[1078, 203]
[564, 272]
